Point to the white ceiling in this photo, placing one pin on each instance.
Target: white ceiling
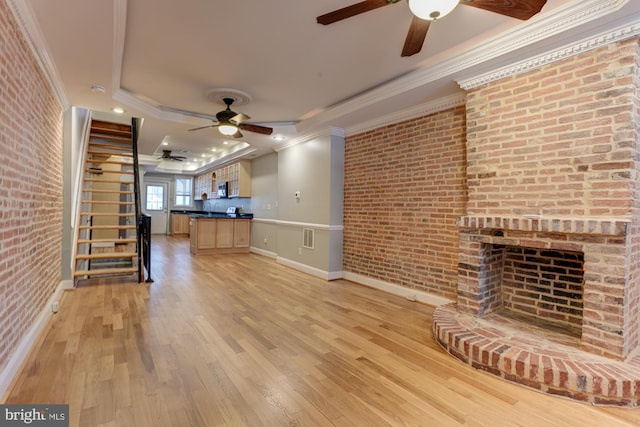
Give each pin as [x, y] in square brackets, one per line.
[158, 59]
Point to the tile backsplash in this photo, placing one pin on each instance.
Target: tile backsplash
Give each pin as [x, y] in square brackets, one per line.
[221, 205]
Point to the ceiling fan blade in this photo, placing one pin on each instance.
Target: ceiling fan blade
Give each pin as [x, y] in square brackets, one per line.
[256, 128]
[178, 158]
[415, 37]
[239, 118]
[520, 9]
[353, 10]
[203, 127]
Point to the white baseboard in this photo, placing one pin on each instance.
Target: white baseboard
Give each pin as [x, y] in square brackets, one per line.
[263, 252]
[408, 293]
[13, 366]
[327, 275]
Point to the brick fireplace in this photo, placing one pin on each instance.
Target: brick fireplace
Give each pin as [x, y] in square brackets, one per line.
[537, 268]
[548, 289]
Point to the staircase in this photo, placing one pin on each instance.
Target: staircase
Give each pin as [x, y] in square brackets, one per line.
[107, 240]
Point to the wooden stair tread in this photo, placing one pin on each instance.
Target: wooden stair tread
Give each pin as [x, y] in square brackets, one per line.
[109, 162]
[106, 255]
[89, 170]
[106, 271]
[99, 131]
[91, 190]
[110, 181]
[107, 153]
[110, 127]
[114, 138]
[111, 143]
[111, 146]
[107, 202]
[107, 227]
[126, 214]
[116, 241]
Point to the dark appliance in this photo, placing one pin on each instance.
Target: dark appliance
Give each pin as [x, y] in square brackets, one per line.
[223, 190]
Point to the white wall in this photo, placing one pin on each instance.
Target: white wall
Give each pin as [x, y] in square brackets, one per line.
[315, 169]
[264, 204]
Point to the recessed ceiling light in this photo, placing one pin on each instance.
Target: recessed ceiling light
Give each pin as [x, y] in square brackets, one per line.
[214, 150]
[165, 143]
[97, 89]
[226, 142]
[203, 155]
[279, 137]
[118, 110]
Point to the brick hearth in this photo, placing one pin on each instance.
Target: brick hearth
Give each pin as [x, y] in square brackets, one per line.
[536, 357]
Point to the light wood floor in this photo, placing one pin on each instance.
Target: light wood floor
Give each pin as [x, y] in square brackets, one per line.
[238, 340]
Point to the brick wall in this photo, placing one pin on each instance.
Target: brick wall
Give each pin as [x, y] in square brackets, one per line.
[633, 247]
[30, 188]
[557, 140]
[404, 188]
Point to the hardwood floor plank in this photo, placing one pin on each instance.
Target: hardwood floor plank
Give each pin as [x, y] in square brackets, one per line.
[238, 340]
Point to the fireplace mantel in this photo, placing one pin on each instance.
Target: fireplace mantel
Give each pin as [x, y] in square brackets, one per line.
[584, 225]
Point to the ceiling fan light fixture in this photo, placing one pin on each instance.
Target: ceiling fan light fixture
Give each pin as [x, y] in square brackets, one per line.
[432, 9]
[228, 129]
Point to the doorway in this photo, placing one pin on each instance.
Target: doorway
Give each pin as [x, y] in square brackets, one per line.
[155, 205]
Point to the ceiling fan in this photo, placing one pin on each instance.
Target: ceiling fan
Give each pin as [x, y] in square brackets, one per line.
[166, 155]
[230, 123]
[425, 11]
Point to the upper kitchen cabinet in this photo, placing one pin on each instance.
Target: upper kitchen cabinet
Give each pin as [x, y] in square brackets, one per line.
[202, 185]
[238, 175]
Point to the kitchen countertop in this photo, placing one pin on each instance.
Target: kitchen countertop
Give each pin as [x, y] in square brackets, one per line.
[205, 214]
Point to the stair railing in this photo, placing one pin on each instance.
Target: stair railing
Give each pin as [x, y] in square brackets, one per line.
[143, 221]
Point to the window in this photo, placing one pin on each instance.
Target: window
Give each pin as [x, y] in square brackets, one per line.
[155, 198]
[183, 192]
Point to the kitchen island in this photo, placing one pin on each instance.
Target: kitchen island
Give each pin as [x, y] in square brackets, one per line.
[219, 233]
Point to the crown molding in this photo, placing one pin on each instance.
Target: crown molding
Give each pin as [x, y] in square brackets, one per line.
[329, 131]
[127, 98]
[564, 52]
[441, 104]
[421, 110]
[24, 16]
[536, 29]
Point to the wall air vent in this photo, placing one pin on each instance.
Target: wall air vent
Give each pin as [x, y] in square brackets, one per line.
[307, 238]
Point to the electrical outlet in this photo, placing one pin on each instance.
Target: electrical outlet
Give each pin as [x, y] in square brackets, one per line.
[54, 307]
[299, 251]
[265, 240]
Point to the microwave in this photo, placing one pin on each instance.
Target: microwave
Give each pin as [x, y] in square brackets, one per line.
[223, 190]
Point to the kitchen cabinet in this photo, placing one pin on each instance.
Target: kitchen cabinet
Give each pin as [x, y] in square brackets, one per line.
[219, 235]
[206, 234]
[202, 185]
[224, 233]
[179, 224]
[238, 175]
[241, 233]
